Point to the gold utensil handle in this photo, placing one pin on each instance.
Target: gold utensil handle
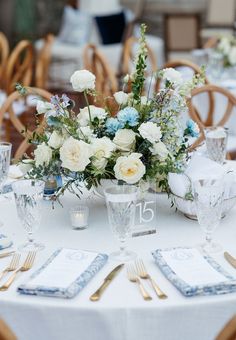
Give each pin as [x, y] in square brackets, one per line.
[96, 296]
[143, 291]
[9, 281]
[158, 290]
[6, 254]
[2, 274]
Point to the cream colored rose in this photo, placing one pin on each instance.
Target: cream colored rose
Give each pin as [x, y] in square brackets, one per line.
[102, 150]
[150, 131]
[159, 149]
[75, 154]
[83, 80]
[43, 154]
[125, 139]
[96, 112]
[121, 97]
[85, 132]
[56, 140]
[129, 168]
[173, 76]
[43, 106]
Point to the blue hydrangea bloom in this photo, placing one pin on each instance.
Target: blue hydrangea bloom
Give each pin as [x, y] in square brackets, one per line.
[128, 115]
[193, 128]
[113, 125]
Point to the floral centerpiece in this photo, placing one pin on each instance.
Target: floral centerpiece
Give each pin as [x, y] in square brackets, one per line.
[226, 46]
[143, 140]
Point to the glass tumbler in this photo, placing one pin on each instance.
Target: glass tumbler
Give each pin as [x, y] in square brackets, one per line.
[216, 143]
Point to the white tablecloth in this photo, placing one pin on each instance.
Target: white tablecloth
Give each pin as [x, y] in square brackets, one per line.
[121, 314]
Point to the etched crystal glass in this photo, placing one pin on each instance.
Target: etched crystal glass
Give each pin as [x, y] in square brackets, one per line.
[28, 197]
[216, 142]
[5, 157]
[121, 206]
[208, 197]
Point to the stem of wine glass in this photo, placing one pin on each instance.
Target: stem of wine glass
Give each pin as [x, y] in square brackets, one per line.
[209, 240]
[30, 238]
[122, 246]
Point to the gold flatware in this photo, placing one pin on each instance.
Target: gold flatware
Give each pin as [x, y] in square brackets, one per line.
[230, 259]
[134, 278]
[143, 274]
[12, 266]
[6, 254]
[96, 296]
[29, 261]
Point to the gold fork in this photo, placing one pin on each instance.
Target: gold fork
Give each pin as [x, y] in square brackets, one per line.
[26, 266]
[12, 266]
[134, 278]
[143, 274]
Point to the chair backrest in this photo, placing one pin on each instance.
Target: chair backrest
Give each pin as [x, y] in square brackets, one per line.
[19, 67]
[5, 332]
[94, 61]
[182, 32]
[15, 120]
[4, 53]
[229, 331]
[43, 62]
[220, 13]
[209, 119]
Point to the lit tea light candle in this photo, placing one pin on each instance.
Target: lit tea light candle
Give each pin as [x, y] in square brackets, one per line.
[79, 217]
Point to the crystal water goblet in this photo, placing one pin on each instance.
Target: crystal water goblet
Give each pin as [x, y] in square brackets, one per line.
[5, 157]
[28, 198]
[216, 143]
[208, 197]
[121, 206]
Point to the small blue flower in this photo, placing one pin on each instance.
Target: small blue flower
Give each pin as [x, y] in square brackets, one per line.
[128, 115]
[113, 125]
[193, 128]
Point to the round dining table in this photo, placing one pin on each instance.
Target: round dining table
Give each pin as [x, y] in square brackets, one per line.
[121, 313]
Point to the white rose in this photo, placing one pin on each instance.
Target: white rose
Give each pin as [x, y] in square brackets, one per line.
[232, 56]
[121, 97]
[96, 112]
[43, 154]
[129, 168]
[145, 100]
[56, 140]
[224, 45]
[159, 149]
[83, 80]
[85, 132]
[125, 139]
[102, 150]
[150, 131]
[43, 106]
[75, 154]
[173, 76]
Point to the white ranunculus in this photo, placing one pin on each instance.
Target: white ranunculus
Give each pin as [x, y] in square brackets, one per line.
[121, 97]
[75, 155]
[150, 131]
[43, 106]
[96, 112]
[83, 80]
[159, 149]
[232, 56]
[56, 140]
[224, 45]
[173, 76]
[129, 168]
[43, 154]
[85, 132]
[124, 139]
[102, 150]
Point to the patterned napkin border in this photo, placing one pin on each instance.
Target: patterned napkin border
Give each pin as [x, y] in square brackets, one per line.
[73, 289]
[228, 286]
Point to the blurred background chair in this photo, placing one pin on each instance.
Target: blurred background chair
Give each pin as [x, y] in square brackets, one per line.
[4, 53]
[43, 63]
[5, 332]
[229, 330]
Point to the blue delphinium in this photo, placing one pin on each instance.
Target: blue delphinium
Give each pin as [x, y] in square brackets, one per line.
[128, 115]
[113, 125]
[192, 128]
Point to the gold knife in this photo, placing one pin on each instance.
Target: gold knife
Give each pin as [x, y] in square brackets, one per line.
[96, 296]
[6, 254]
[230, 259]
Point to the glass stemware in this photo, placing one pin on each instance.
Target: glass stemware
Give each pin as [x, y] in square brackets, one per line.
[5, 157]
[208, 197]
[28, 196]
[121, 206]
[216, 143]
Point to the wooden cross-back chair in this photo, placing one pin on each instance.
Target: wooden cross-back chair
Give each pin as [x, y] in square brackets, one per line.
[229, 331]
[209, 120]
[7, 108]
[5, 332]
[4, 53]
[43, 62]
[94, 61]
[19, 67]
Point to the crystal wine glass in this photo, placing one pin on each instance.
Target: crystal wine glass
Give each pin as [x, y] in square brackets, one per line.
[121, 206]
[28, 196]
[5, 157]
[216, 142]
[208, 197]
